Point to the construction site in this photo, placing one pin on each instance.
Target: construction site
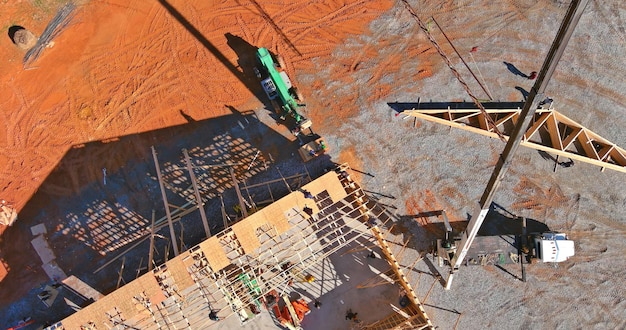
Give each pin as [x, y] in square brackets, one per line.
[324, 164]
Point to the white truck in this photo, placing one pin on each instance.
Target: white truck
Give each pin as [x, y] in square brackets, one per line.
[552, 247]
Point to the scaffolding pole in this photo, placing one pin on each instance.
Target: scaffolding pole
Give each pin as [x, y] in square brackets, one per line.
[164, 195]
[199, 202]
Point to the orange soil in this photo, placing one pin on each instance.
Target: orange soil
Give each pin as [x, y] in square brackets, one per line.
[349, 155]
[124, 67]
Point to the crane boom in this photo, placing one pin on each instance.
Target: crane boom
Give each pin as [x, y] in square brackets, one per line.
[536, 94]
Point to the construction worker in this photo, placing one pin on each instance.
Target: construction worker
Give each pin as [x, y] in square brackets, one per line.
[350, 315]
[213, 316]
[533, 75]
[308, 210]
[307, 194]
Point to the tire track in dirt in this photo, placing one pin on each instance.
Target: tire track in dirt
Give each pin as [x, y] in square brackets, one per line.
[327, 20]
[542, 201]
[576, 284]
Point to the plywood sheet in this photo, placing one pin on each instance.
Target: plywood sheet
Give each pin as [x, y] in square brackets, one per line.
[276, 217]
[329, 182]
[214, 253]
[296, 200]
[179, 272]
[246, 233]
[122, 299]
[38, 229]
[43, 249]
[83, 288]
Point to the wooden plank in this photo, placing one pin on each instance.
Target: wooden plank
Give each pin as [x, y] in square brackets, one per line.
[506, 118]
[246, 232]
[589, 149]
[604, 152]
[329, 182]
[276, 217]
[83, 288]
[582, 158]
[618, 155]
[480, 115]
[535, 127]
[122, 299]
[179, 272]
[215, 254]
[482, 122]
[395, 266]
[571, 137]
[555, 135]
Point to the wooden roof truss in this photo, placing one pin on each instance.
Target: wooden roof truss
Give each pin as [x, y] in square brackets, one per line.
[549, 131]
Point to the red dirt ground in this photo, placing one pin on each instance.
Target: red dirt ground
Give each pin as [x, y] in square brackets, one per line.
[123, 67]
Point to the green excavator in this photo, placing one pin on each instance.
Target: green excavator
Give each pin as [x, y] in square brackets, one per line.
[279, 89]
[284, 97]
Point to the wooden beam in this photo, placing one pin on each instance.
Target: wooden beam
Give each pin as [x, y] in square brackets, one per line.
[164, 196]
[151, 253]
[400, 274]
[120, 277]
[572, 136]
[536, 125]
[242, 203]
[587, 145]
[604, 152]
[199, 202]
[506, 118]
[555, 135]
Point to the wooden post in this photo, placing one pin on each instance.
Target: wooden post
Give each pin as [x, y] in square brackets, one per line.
[167, 208]
[524, 242]
[242, 203]
[199, 202]
[120, 278]
[151, 253]
[224, 215]
[139, 268]
[182, 240]
[285, 181]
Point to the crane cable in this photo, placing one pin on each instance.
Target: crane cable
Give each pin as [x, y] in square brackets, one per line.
[454, 71]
